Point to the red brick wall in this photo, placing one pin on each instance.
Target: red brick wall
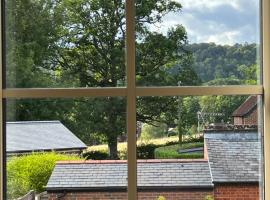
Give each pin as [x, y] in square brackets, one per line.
[237, 192]
[238, 121]
[252, 118]
[170, 195]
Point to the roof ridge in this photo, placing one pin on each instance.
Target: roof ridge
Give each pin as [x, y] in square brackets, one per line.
[33, 122]
[138, 161]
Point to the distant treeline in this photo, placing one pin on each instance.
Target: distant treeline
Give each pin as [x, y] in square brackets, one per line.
[212, 61]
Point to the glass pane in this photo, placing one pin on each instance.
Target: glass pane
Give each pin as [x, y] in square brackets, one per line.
[66, 146]
[202, 147]
[195, 42]
[66, 43]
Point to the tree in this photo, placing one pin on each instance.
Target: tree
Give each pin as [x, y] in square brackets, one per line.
[81, 43]
[95, 32]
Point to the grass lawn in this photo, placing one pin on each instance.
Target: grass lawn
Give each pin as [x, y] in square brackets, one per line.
[122, 146]
[170, 152]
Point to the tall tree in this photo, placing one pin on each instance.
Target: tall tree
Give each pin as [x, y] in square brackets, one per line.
[95, 54]
[81, 43]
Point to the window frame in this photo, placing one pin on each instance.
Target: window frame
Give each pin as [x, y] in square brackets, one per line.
[131, 92]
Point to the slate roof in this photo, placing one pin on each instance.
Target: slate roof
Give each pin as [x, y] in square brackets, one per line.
[246, 107]
[110, 174]
[234, 158]
[40, 136]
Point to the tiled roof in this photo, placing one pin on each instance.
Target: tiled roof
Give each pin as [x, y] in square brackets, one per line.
[246, 107]
[234, 161]
[104, 175]
[40, 136]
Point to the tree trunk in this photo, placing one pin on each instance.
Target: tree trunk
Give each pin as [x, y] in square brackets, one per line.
[112, 144]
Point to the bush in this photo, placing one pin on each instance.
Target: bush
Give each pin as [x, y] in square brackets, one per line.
[145, 149]
[171, 151]
[209, 197]
[161, 198]
[95, 155]
[157, 130]
[31, 172]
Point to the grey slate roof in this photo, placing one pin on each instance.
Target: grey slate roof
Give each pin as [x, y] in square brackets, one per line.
[234, 158]
[114, 175]
[40, 136]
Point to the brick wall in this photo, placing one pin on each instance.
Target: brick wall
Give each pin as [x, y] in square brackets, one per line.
[237, 192]
[238, 121]
[251, 118]
[169, 195]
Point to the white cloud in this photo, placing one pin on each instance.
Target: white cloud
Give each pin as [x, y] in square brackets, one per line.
[219, 21]
[212, 4]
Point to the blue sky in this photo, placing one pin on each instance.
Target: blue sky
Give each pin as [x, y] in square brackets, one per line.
[219, 21]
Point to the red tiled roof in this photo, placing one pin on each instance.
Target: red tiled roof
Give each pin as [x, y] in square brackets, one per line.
[246, 107]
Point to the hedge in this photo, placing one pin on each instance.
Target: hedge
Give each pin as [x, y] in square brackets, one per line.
[145, 150]
[31, 172]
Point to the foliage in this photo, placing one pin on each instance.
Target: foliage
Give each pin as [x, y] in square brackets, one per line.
[213, 61]
[161, 198]
[168, 152]
[155, 130]
[145, 149]
[96, 155]
[82, 44]
[221, 104]
[209, 197]
[31, 172]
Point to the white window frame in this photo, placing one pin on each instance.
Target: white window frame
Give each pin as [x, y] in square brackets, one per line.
[131, 92]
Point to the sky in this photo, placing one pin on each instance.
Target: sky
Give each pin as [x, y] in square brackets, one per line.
[224, 22]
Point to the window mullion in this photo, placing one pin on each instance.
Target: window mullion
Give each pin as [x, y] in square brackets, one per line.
[266, 83]
[131, 99]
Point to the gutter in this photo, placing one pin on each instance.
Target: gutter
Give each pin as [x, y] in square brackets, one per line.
[124, 189]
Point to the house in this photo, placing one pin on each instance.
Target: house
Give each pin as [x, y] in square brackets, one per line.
[230, 170]
[108, 180]
[37, 136]
[247, 113]
[234, 154]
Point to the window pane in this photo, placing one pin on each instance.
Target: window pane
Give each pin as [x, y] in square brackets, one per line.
[199, 147]
[75, 147]
[195, 42]
[65, 43]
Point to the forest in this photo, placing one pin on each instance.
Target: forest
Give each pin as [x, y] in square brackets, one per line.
[81, 43]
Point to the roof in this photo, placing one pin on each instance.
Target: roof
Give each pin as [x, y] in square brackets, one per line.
[104, 175]
[234, 160]
[40, 136]
[246, 107]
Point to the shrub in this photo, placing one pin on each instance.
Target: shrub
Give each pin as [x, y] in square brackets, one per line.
[95, 155]
[31, 172]
[209, 197]
[145, 149]
[161, 198]
[157, 130]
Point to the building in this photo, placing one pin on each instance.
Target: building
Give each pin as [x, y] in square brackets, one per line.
[230, 170]
[247, 113]
[234, 154]
[108, 180]
[39, 136]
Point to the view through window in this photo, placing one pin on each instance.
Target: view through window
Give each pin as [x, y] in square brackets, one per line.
[199, 112]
